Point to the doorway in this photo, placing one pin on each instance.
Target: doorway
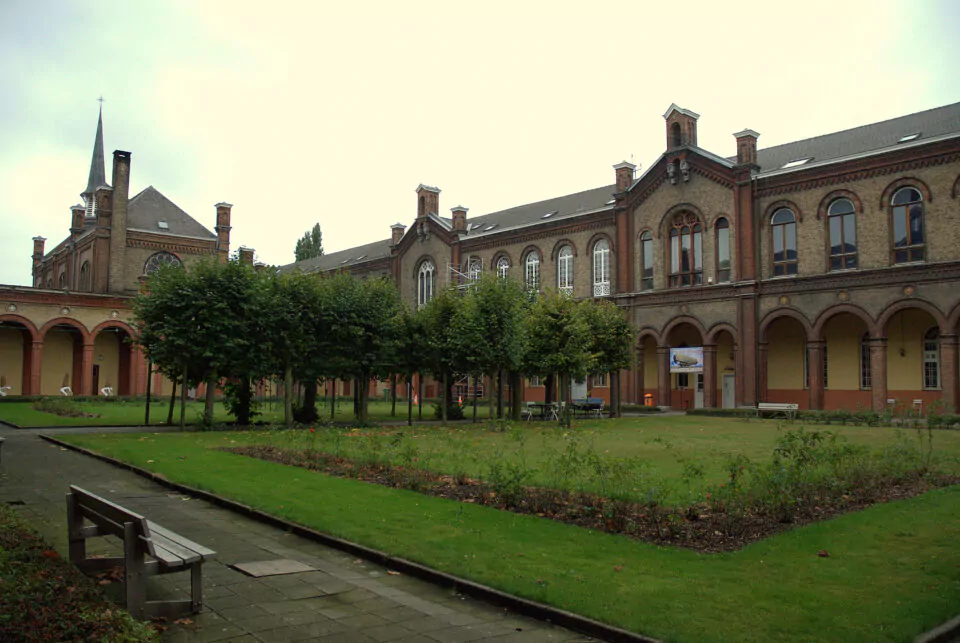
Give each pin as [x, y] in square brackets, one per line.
[698, 394]
[96, 379]
[728, 391]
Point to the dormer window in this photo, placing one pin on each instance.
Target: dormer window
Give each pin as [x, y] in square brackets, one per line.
[163, 225]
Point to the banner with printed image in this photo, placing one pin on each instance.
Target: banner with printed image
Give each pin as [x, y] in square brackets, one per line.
[686, 360]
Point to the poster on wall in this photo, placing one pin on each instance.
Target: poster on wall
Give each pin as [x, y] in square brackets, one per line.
[686, 360]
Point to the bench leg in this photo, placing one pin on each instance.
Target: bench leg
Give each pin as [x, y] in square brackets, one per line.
[196, 587]
[78, 544]
[135, 578]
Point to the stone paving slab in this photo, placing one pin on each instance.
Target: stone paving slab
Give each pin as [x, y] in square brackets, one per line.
[345, 599]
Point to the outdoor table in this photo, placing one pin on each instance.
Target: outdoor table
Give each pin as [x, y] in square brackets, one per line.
[546, 409]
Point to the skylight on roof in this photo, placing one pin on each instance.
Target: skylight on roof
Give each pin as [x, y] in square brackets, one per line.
[611, 202]
[909, 137]
[490, 227]
[345, 261]
[474, 226]
[163, 225]
[360, 257]
[548, 215]
[795, 163]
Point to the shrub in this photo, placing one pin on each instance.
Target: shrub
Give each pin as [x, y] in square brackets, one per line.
[454, 412]
[62, 406]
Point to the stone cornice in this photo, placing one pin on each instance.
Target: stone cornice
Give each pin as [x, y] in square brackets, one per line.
[25, 294]
[890, 276]
[178, 245]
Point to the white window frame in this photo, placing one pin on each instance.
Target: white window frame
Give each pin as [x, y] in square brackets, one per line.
[601, 268]
[565, 270]
[931, 358]
[503, 267]
[426, 283]
[531, 271]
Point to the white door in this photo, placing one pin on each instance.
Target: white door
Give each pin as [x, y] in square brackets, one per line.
[728, 390]
[698, 395]
[578, 390]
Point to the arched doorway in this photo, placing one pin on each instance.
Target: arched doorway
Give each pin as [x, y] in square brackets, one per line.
[846, 362]
[783, 362]
[112, 360]
[62, 359]
[724, 350]
[682, 370]
[648, 369]
[17, 337]
[915, 361]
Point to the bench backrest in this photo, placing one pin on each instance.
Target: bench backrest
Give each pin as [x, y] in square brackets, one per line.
[595, 401]
[110, 516]
[776, 405]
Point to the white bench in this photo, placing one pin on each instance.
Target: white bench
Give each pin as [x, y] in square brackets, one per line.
[141, 538]
[788, 411]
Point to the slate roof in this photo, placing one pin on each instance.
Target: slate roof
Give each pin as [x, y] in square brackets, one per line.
[149, 206]
[929, 124]
[334, 260]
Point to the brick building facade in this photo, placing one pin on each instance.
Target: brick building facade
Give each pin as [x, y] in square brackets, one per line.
[824, 272]
[71, 328]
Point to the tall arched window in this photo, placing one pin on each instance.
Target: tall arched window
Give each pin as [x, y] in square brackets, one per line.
[62, 280]
[474, 268]
[646, 261]
[784, 225]
[503, 267]
[601, 268]
[908, 232]
[158, 260]
[843, 235]
[565, 270]
[866, 379]
[686, 251]
[723, 250]
[426, 277]
[676, 135]
[531, 271]
[85, 277]
[931, 359]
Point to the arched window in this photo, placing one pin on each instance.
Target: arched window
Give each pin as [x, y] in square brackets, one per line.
[85, 277]
[425, 283]
[908, 237]
[159, 260]
[686, 251]
[474, 268]
[62, 280]
[677, 136]
[841, 216]
[565, 270]
[503, 267]
[723, 250]
[531, 271]
[784, 242]
[931, 359]
[866, 380]
[646, 261]
[601, 268]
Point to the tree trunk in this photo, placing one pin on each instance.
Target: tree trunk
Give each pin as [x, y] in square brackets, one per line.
[409, 399]
[615, 394]
[333, 398]
[210, 402]
[244, 397]
[308, 412]
[476, 387]
[516, 395]
[420, 394]
[183, 399]
[500, 393]
[444, 401]
[173, 402]
[288, 396]
[491, 398]
[393, 395]
[364, 396]
[356, 398]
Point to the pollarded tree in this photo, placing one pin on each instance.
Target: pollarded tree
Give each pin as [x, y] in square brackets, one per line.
[613, 339]
[559, 341]
[443, 343]
[409, 357]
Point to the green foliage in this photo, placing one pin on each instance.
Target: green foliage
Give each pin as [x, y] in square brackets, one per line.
[310, 245]
[454, 412]
[62, 406]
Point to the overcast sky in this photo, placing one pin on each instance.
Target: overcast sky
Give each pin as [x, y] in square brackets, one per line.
[305, 112]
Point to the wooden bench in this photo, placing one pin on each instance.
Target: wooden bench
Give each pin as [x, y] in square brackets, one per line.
[788, 411]
[141, 538]
[1, 448]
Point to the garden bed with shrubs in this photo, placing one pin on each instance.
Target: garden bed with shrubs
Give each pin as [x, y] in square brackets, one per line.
[811, 476]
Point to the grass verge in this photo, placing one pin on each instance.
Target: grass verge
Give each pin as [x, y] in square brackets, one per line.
[45, 598]
[891, 572]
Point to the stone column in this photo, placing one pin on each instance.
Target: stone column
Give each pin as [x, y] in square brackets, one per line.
[878, 373]
[762, 357]
[639, 375]
[710, 377]
[815, 373]
[663, 389]
[949, 372]
[33, 359]
[86, 370]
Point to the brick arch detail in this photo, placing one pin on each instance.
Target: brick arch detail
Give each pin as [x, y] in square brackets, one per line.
[682, 207]
[907, 181]
[718, 328]
[679, 320]
[839, 194]
[112, 323]
[26, 323]
[653, 233]
[648, 331]
[66, 321]
[419, 262]
[564, 241]
[597, 237]
[497, 256]
[953, 321]
[720, 215]
[840, 309]
[776, 205]
[779, 313]
[904, 304]
[528, 250]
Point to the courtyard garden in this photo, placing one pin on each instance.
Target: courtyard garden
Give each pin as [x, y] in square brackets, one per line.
[827, 533]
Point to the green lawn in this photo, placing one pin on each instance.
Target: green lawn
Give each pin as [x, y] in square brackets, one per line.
[891, 574]
[130, 413]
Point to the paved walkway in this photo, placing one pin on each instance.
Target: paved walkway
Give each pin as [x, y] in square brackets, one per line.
[344, 600]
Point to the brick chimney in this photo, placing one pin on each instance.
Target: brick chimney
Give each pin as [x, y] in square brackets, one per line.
[223, 231]
[747, 147]
[428, 201]
[38, 243]
[459, 218]
[118, 221]
[625, 172]
[246, 255]
[396, 233]
[77, 215]
[681, 127]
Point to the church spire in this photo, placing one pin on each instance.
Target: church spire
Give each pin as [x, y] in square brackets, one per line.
[98, 175]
